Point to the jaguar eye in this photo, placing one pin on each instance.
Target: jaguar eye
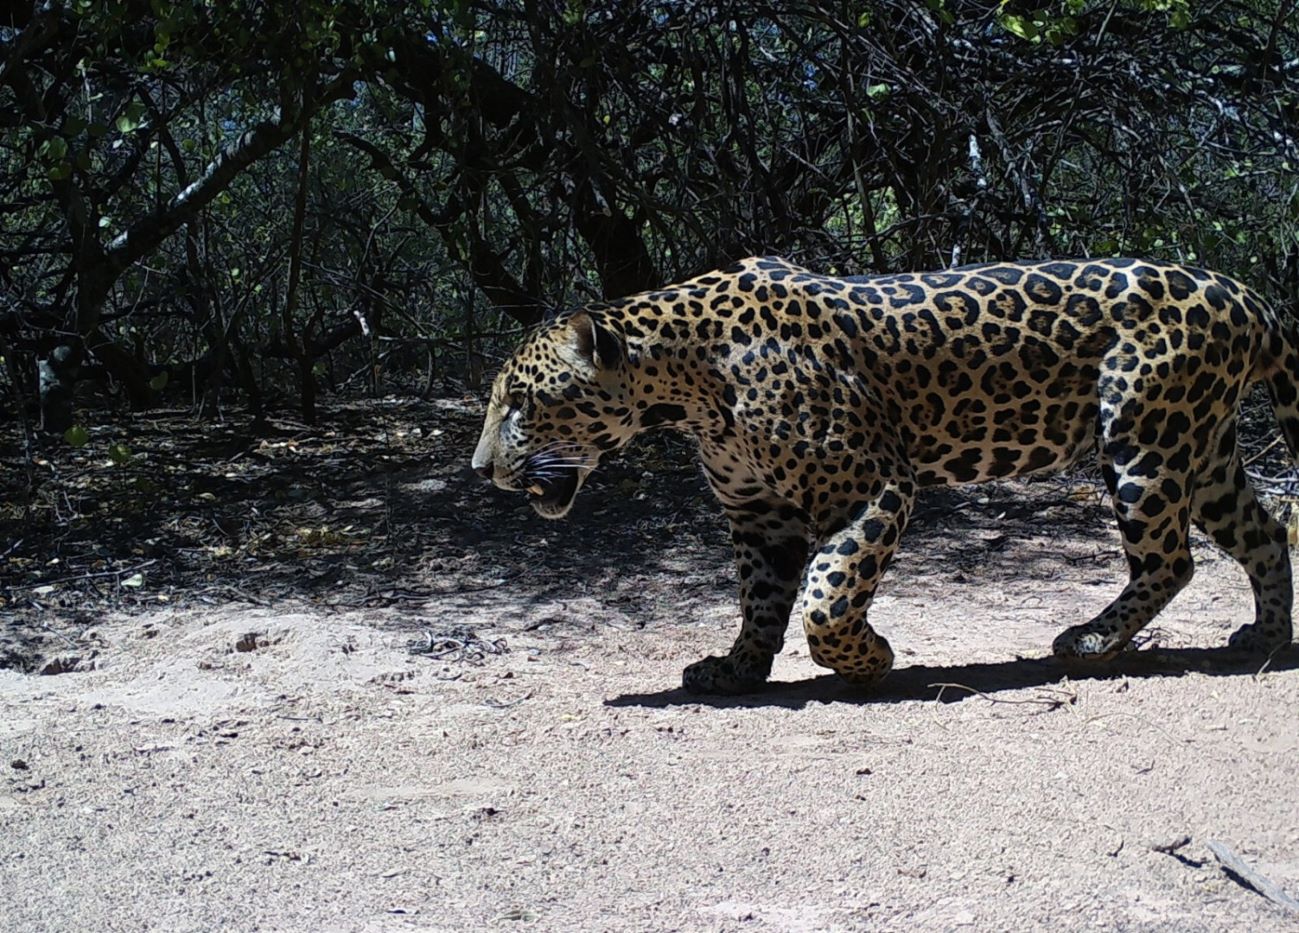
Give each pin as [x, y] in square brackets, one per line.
[514, 403]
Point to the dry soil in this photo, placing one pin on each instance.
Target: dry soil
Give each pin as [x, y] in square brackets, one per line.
[506, 746]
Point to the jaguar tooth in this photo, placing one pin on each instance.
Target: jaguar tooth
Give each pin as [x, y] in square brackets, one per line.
[536, 489]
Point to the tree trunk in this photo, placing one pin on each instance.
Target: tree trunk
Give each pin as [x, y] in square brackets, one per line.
[298, 344]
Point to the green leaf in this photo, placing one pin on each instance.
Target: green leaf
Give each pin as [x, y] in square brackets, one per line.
[76, 435]
[54, 149]
[134, 581]
[1018, 25]
[159, 382]
[130, 119]
[120, 454]
[864, 19]
[876, 91]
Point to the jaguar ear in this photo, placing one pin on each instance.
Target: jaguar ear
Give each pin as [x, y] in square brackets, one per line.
[596, 342]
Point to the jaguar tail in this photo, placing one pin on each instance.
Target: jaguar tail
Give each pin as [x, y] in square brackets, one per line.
[1282, 378]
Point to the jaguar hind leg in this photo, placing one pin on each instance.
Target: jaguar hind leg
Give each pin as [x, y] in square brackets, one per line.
[1225, 507]
[841, 583]
[1152, 504]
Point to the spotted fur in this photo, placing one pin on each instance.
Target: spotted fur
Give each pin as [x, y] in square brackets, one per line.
[820, 405]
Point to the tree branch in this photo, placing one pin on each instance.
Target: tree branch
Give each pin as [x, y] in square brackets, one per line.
[143, 236]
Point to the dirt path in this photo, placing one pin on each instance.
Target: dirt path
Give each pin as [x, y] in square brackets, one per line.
[503, 744]
[257, 769]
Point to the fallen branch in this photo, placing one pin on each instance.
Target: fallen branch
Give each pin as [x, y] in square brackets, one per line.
[504, 704]
[457, 644]
[1171, 848]
[1240, 871]
[1066, 698]
[82, 576]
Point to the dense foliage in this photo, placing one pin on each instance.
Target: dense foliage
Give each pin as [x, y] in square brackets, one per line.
[219, 199]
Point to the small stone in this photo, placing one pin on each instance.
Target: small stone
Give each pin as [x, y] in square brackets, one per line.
[250, 641]
[63, 664]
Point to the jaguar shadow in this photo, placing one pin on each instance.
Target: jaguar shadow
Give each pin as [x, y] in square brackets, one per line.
[955, 683]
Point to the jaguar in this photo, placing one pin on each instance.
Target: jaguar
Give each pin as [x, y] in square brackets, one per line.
[820, 405]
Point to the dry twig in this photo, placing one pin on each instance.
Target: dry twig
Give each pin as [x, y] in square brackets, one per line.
[1239, 870]
[1066, 698]
[457, 644]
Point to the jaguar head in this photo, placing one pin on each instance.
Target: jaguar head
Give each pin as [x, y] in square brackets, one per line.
[558, 405]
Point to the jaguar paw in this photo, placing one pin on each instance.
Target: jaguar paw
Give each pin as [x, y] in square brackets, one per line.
[722, 676]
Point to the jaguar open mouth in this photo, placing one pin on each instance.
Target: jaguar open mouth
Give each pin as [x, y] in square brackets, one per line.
[553, 495]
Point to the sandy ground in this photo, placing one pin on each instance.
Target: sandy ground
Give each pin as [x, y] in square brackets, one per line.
[304, 770]
[511, 749]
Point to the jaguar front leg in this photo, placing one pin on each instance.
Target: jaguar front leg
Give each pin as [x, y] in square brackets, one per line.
[841, 583]
[770, 541]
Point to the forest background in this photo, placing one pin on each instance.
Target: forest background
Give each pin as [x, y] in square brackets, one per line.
[251, 203]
